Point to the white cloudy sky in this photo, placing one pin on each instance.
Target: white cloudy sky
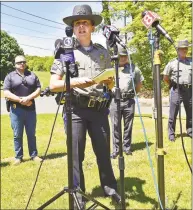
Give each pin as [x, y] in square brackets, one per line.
[17, 24]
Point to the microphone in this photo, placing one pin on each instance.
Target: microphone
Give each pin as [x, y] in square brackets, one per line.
[64, 50]
[112, 35]
[152, 19]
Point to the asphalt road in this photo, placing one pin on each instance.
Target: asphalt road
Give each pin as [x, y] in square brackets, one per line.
[48, 105]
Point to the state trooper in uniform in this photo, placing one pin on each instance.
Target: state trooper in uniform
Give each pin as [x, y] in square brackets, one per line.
[89, 100]
[127, 104]
[185, 88]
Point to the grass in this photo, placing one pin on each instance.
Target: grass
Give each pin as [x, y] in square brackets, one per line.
[17, 181]
[44, 78]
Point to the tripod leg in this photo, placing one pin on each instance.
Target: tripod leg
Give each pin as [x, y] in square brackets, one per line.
[96, 203]
[52, 199]
[76, 201]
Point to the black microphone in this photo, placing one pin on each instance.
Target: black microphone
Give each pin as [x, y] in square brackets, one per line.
[69, 31]
[112, 35]
[152, 19]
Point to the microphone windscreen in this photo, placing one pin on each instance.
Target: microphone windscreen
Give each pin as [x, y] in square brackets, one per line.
[143, 13]
[69, 31]
[57, 42]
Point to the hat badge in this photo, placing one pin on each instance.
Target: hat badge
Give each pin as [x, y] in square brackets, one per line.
[82, 11]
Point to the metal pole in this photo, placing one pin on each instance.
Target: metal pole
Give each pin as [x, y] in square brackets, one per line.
[69, 136]
[160, 151]
[118, 98]
[125, 25]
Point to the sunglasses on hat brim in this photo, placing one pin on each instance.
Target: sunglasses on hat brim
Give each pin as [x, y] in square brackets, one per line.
[21, 62]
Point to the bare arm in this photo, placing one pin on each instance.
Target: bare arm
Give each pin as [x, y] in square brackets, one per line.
[58, 85]
[166, 79]
[35, 94]
[138, 87]
[26, 100]
[12, 97]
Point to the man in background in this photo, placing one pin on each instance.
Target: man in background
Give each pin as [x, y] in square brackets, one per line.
[127, 104]
[21, 87]
[185, 88]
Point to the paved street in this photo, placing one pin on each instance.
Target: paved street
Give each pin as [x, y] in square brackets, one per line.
[48, 105]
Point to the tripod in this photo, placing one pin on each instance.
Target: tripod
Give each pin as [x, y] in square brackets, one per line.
[117, 98]
[71, 190]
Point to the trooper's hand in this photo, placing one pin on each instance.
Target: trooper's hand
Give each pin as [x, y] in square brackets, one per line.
[82, 82]
[110, 82]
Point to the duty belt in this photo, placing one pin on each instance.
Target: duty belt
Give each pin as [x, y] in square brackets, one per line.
[174, 84]
[127, 95]
[185, 85]
[97, 103]
[18, 105]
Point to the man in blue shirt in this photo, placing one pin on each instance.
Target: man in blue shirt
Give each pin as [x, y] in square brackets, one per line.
[20, 88]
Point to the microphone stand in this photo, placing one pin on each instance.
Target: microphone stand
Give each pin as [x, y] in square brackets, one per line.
[159, 128]
[151, 41]
[117, 98]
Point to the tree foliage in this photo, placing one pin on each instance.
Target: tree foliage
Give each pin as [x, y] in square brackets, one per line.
[175, 18]
[36, 63]
[9, 50]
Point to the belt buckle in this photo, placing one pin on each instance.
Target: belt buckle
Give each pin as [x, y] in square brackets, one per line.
[123, 95]
[92, 101]
[100, 102]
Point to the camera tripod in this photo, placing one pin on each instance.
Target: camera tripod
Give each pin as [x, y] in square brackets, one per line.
[72, 192]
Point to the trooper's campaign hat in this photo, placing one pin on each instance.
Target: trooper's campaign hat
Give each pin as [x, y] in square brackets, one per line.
[83, 12]
[183, 44]
[122, 51]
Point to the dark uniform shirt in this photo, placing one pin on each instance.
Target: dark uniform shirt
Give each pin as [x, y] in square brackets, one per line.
[90, 62]
[21, 85]
[185, 70]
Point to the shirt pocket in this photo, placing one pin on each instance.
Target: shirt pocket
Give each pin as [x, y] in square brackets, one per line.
[81, 69]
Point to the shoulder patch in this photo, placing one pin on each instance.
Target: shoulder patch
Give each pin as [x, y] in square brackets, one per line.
[97, 45]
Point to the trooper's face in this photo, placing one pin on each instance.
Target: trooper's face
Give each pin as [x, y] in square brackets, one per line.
[182, 52]
[123, 59]
[83, 29]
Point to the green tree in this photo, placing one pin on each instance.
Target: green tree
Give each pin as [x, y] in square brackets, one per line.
[176, 18]
[9, 50]
[36, 63]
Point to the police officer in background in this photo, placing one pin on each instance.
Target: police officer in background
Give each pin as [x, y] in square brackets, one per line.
[185, 88]
[89, 106]
[127, 104]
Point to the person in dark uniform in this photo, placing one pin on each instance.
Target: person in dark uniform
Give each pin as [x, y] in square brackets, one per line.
[89, 101]
[185, 88]
[20, 88]
[127, 104]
